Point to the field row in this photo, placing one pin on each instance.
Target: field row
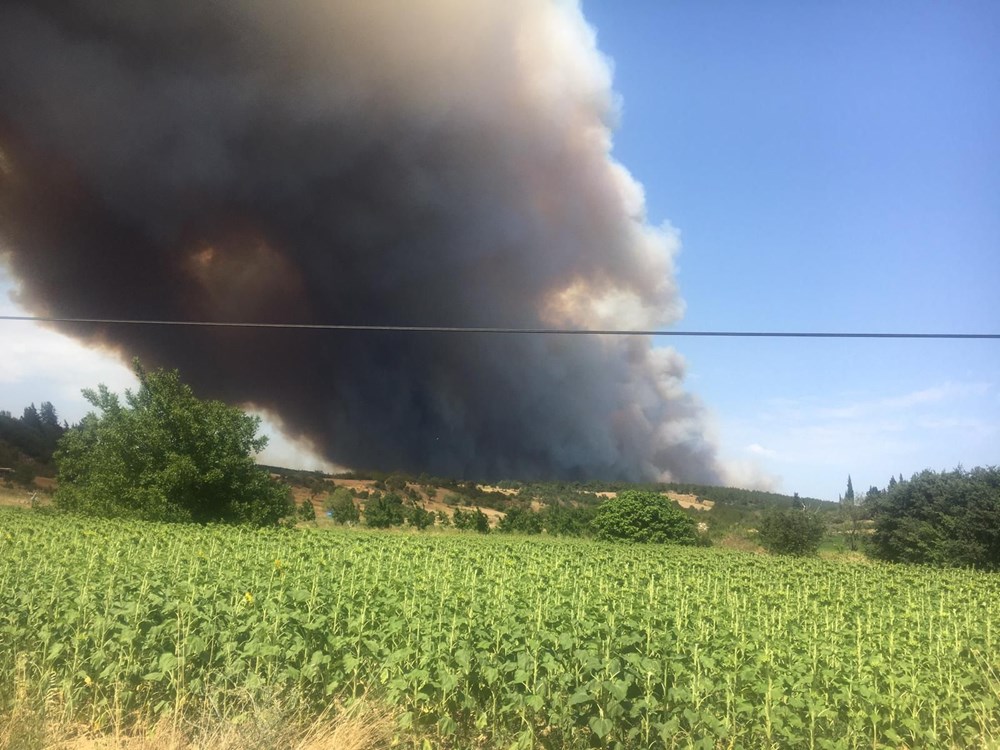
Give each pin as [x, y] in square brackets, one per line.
[494, 641]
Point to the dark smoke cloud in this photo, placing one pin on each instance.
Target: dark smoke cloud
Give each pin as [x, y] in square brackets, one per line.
[443, 162]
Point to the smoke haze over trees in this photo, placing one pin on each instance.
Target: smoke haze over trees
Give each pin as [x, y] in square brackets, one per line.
[429, 163]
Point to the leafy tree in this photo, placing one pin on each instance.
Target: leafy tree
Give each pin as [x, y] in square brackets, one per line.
[947, 518]
[306, 511]
[462, 520]
[468, 520]
[561, 520]
[521, 521]
[340, 502]
[166, 455]
[481, 523]
[792, 532]
[637, 516]
[384, 510]
[395, 482]
[419, 518]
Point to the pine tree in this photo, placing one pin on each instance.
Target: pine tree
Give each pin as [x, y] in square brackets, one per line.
[849, 503]
[47, 414]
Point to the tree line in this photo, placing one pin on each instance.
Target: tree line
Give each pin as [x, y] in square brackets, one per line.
[938, 518]
[28, 442]
[163, 454]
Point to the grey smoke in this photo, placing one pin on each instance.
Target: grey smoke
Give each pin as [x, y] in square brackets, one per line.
[442, 162]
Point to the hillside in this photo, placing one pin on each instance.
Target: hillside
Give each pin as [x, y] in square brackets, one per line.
[564, 505]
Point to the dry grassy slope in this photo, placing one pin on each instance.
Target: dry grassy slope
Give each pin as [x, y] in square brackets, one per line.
[433, 499]
[12, 494]
[432, 504]
[436, 499]
[685, 501]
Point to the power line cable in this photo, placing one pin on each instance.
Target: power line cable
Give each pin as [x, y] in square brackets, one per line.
[500, 330]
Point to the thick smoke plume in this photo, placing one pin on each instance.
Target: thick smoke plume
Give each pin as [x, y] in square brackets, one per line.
[441, 162]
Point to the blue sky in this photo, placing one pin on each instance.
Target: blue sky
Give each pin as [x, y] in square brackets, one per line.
[830, 167]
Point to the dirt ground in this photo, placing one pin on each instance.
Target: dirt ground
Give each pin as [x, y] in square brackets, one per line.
[501, 490]
[20, 497]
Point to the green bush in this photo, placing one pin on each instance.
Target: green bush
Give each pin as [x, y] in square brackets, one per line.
[165, 455]
[568, 520]
[467, 520]
[419, 518]
[340, 503]
[521, 521]
[384, 510]
[636, 516]
[306, 511]
[792, 532]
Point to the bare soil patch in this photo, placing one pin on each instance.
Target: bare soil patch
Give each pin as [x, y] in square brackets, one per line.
[502, 490]
[356, 485]
[690, 501]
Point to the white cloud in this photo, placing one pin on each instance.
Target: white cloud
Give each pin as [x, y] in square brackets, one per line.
[939, 394]
[815, 442]
[38, 364]
[41, 365]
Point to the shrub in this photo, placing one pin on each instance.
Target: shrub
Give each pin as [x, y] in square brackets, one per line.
[636, 516]
[306, 511]
[419, 518]
[521, 521]
[468, 520]
[791, 532]
[340, 502]
[384, 510]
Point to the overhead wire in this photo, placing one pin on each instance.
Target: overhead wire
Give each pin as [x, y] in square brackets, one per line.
[499, 329]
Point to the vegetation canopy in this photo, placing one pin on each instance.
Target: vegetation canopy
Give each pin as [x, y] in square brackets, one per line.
[792, 532]
[493, 641]
[165, 455]
[340, 504]
[27, 442]
[947, 518]
[644, 517]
